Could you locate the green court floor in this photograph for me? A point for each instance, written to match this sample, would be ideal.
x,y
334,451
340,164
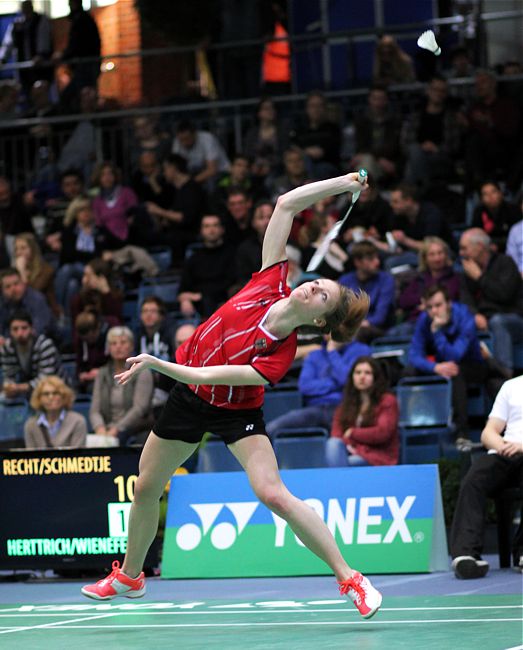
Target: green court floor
x,y
492,622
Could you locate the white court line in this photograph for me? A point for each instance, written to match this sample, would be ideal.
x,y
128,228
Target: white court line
x,y
341,609
51,625
286,624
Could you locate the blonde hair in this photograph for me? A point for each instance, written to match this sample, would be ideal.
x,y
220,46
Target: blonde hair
x,y
76,206
59,385
345,319
427,243
119,330
36,262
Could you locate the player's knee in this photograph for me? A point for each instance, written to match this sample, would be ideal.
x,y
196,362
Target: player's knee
x,y
146,489
275,497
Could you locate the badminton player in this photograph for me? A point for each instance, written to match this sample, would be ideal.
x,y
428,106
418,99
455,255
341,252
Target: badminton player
x,y
220,371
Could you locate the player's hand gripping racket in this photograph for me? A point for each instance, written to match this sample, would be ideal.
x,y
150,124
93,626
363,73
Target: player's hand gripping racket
x,y
335,230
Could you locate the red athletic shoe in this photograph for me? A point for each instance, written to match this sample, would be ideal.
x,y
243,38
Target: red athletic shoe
x,y
362,593
116,584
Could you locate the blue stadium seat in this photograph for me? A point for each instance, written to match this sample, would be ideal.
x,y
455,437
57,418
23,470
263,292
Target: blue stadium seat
x,y
518,356
162,255
129,312
301,452
81,405
301,432
165,288
279,402
13,415
214,456
425,407
391,346
69,370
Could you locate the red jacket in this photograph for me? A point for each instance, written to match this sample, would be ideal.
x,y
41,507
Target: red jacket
x,y
377,444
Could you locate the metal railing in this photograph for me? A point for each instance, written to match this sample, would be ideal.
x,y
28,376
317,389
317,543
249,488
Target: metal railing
x,y
22,152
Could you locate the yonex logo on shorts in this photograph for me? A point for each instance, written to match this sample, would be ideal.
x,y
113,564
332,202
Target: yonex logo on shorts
x,y
249,427
223,534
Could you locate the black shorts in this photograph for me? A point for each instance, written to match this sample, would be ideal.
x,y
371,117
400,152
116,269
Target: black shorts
x,y
187,417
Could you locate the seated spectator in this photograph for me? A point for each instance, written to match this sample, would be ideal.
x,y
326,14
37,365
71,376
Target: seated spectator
x,y
431,137
377,132
71,187
322,217
114,203
237,178
379,285
445,343
149,183
435,267
78,242
208,273
321,383
413,220
15,217
16,295
154,336
205,156
90,346
34,270
265,141
26,357
494,215
391,64
489,474
370,217
249,252
318,137
515,245
147,138
294,175
56,424
492,287
365,423
122,412
177,223
296,274
493,125
98,292
183,332
237,218
460,64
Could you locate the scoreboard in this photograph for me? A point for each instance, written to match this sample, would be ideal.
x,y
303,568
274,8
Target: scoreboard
x,y
66,508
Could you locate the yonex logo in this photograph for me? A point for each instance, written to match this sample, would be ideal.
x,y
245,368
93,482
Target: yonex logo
x,y
249,427
223,534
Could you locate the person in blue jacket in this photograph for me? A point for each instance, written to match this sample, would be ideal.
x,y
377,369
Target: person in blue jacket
x,y
378,284
445,343
322,378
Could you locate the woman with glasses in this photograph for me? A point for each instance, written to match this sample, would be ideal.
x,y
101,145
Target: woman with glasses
x,y
55,424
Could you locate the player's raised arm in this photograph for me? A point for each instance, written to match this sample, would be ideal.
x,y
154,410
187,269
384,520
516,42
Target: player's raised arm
x,y
293,202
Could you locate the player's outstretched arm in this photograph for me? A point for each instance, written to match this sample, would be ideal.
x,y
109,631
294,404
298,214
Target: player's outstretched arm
x,y
210,375
293,202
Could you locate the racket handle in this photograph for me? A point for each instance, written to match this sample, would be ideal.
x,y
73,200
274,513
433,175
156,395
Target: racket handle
x,y
362,175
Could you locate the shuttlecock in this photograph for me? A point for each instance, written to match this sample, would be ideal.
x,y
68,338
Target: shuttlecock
x,y
427,41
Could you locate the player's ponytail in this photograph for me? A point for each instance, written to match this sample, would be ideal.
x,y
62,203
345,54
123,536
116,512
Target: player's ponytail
x,y
351,309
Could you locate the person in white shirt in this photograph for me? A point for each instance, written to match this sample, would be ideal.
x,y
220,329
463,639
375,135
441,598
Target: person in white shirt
x,y
204,154
490,473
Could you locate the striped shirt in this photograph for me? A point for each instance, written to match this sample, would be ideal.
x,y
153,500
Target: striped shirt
x,y
235,335
43,360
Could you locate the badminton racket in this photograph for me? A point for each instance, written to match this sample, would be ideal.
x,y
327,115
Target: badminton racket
x,y
318,256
